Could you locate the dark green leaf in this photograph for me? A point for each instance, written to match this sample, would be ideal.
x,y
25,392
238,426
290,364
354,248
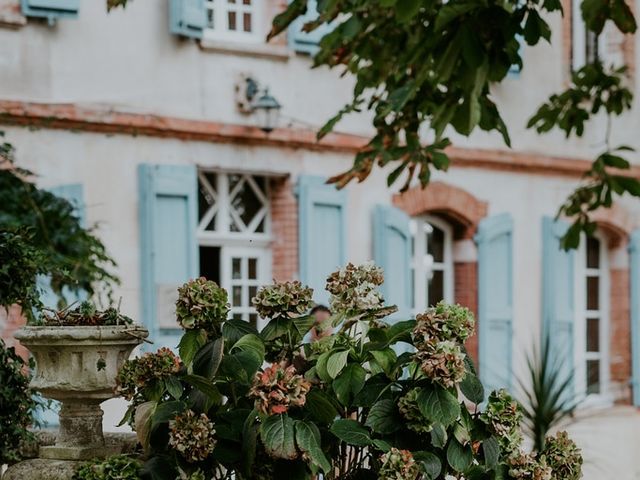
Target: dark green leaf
x,y
336,362
308,440
383,417
351,432
277,434
208,359
190,343
491,450
349,383
472,388
438,405
320,406
459,456
174,387
431,464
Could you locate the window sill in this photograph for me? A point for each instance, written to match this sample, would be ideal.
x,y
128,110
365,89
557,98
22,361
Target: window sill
x,y
258,50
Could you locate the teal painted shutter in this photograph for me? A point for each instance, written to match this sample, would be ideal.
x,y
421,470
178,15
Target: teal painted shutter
x,y
322,232
75,195
307,42
392,252
50,9
495,300
187,18
634,267
169,253
558,295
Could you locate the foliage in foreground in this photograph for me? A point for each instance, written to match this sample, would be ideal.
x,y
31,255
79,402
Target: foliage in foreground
x,y
428,68
17,404
119,467
549,396
375,400
40,234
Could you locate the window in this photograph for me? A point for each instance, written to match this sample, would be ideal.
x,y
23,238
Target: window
x,y
234,235
585,44
234,20
592,326
432,264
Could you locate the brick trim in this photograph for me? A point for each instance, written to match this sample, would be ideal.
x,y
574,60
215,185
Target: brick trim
x,y
459,206
284,219
465,276
616,222
619,334
76,118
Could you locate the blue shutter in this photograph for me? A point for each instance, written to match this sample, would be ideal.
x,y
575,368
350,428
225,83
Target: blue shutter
x,y
322,232
558,295
634,267
495,300
50,9
392,252
307,42
74,194
169,253
187,18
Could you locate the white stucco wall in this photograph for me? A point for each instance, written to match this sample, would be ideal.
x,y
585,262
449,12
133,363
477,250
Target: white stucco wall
x,y
128,61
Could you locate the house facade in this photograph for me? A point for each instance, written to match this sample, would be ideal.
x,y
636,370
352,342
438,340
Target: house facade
x,y
139,116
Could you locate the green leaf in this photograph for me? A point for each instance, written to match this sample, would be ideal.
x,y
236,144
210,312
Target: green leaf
x,y
351,432
249,443
190,343
535,27
143,415
381,445
308,440
320,406
471,387
336,362
250,343
349,383
275,329
439,436
383,418
277,434
234,330
385,358
451,11
208,359
431,464
166,411
321,366
303,324
438,405
159,468
491,450
174,387
407,9
203,385
459,456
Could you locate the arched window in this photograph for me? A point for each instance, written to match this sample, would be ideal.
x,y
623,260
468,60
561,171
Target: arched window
x,y
432,262
592,322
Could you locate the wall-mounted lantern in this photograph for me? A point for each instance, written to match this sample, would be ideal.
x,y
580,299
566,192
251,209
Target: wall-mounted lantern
x,y
258,101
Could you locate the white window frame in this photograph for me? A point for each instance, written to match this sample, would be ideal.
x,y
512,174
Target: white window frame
x,y
423,265
220,30
604,398
237,244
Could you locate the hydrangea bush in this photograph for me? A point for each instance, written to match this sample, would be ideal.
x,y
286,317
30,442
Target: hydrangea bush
x,y
388,400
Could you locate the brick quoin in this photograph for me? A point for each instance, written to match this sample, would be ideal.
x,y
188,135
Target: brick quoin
x,y
464,212
620,335
11,320
284,218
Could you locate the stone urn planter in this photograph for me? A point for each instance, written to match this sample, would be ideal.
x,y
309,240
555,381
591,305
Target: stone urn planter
x,y
77,365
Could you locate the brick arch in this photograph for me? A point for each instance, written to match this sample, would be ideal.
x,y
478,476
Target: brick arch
x,y
455,204
616,222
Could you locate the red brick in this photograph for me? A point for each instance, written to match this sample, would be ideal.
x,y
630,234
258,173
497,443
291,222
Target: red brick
x,y
284,221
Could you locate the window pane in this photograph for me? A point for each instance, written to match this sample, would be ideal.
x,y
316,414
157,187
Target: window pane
x,y
435,244
253,291
593,334
210,18
246,2
210,263
246,22
237,316
232,20
593,290
253,319
205,201
593,376
593,253
237,296
436,287
236,270
253,268
246,203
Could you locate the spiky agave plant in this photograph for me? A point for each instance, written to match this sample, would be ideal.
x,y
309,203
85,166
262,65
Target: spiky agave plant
x,y
548,396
